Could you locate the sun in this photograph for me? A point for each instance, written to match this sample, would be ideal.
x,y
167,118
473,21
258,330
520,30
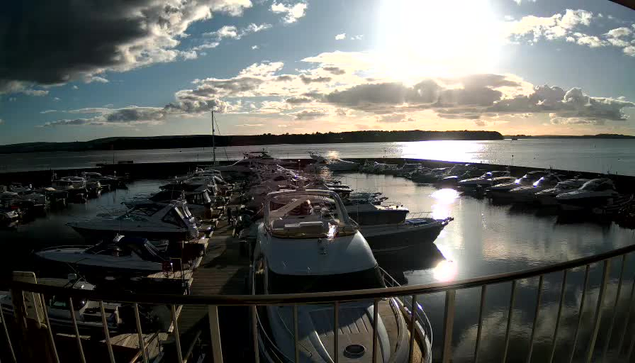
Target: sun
x,y
422,38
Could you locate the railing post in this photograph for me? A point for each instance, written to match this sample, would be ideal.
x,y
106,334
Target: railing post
x,y
560,304
79,339
254,332
104,322
214,332
296,337
49,328
142,343
510,314
448,325
413,323
627,318
479,329
536,314
177,335
336,331
375,327
6,333
577,328
598,310
617,300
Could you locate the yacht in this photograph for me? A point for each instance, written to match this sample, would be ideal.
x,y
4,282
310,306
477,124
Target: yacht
x,y
9,216
595,193
110,182
484,180
333,164
153,220
527,193
307,243
198,201
548,196
87,312
387,230
75,186
501,191
122,256
251,161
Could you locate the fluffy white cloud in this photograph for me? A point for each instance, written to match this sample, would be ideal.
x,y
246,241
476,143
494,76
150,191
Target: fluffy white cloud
x,y
291,12
36,93
518,2
231,32
341,36
619,32
333,85
552,27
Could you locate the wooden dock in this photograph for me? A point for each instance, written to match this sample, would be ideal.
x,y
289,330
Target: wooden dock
x,y
222,271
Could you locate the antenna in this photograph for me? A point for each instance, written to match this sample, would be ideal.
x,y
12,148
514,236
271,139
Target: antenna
x,y
213,140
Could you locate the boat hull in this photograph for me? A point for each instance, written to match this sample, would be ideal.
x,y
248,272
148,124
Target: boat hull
x,y
91,234
393,239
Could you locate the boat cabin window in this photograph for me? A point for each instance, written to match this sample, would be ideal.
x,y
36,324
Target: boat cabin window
x,y
174,218
359,280
598,185
198,198
62,303
147,252
145,210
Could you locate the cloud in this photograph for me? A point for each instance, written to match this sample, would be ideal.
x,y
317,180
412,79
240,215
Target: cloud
x,y
340,36
97,79
393,118
231,32
250,125
309,114
56,99
567,26
48,111
75,87
357,37
254,47
334,70
36,93
291,12
52,43
1,121
518,2
298,100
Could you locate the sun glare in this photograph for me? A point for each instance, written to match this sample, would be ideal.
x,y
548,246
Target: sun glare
x,y
421,38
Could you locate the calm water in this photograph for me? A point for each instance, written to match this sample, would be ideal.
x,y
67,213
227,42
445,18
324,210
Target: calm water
x,y
483,239
615,156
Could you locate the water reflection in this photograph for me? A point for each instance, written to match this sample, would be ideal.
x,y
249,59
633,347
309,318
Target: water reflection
x,y
444,199
445,271
464,151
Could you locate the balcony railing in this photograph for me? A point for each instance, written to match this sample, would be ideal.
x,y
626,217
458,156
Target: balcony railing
x,y
407,294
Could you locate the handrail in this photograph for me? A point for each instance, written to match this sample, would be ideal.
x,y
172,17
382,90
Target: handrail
x,y
318,297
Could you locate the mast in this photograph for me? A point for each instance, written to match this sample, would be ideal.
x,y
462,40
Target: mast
x,y
213,140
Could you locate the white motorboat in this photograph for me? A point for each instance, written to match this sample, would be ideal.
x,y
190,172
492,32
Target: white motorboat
x,y
595,193
332,163
75,186
484,180
501,191
548,196
387,230
156,221
122,256
307,243
87,312
527,193
251,161
198,201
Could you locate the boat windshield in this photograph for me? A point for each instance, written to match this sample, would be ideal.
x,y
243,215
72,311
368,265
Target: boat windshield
x,y
359,280
303,215
597,185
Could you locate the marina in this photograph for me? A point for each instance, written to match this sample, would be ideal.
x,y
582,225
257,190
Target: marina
x,y
474,233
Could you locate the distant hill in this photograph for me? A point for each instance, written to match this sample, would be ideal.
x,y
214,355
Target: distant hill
x,y
598,136
182,142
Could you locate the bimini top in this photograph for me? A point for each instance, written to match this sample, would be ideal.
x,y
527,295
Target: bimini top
x,y
307,213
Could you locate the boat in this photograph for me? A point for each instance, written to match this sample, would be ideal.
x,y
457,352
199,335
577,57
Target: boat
x,y
9,216
87,312
122,256
527,193
596,193
75,186
483,181
333,164
251,161
387,230
500,192
198,201
111,182
156,221
548,196
307,243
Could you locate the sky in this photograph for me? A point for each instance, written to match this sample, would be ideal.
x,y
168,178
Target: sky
x,y
76,71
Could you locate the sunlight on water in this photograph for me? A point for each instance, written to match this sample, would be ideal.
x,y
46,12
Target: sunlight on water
x,y
445,270
465,151
444,198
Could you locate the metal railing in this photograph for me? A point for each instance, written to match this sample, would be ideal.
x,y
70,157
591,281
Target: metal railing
x,y
414,294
